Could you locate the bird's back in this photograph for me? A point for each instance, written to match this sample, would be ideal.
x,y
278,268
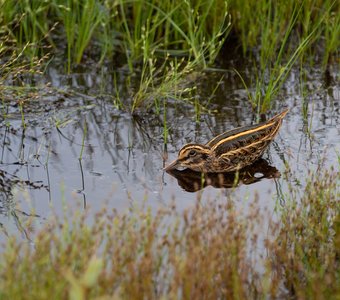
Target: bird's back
x,y
243,145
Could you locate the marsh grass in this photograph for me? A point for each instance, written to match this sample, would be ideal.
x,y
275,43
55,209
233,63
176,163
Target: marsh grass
x,y
192,29
15,69
154,30
198,29
284,35
268,31
170,79
306,252
161,41
26,23
209,251
80,20
135,27
331,34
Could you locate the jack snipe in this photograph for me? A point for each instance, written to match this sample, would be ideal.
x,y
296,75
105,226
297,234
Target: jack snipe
x,y
231,150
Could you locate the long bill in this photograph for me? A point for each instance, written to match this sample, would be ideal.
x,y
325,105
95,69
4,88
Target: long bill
x,y
172,165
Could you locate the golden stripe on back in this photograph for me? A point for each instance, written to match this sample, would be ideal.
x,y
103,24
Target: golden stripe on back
x,y
241,147
242,134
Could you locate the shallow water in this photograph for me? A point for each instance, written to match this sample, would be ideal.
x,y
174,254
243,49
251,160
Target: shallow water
x,y
123,155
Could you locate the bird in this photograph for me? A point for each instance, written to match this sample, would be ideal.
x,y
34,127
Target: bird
x,y
231,150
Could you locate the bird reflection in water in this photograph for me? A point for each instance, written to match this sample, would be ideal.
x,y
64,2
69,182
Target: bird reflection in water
x,y
192,181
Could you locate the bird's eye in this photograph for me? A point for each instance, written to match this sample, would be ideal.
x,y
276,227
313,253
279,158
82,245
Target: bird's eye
x,y
192,153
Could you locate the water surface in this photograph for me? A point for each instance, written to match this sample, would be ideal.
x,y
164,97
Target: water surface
x,y
77,149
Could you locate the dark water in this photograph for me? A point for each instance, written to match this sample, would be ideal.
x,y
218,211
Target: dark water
x,y
123,155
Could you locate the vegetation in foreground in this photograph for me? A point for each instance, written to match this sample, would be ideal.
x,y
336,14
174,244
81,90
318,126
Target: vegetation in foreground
x,y
213,250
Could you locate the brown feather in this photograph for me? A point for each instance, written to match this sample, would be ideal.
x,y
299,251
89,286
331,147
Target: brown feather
x,y
231,150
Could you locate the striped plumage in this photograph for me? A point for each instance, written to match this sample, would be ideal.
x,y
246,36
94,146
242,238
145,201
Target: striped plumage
x,y
231,150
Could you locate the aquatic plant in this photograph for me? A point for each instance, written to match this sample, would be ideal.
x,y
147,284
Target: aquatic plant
x,y
15,69
286,33
135,28
27,23
266,33
191,28
141,31
80,20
